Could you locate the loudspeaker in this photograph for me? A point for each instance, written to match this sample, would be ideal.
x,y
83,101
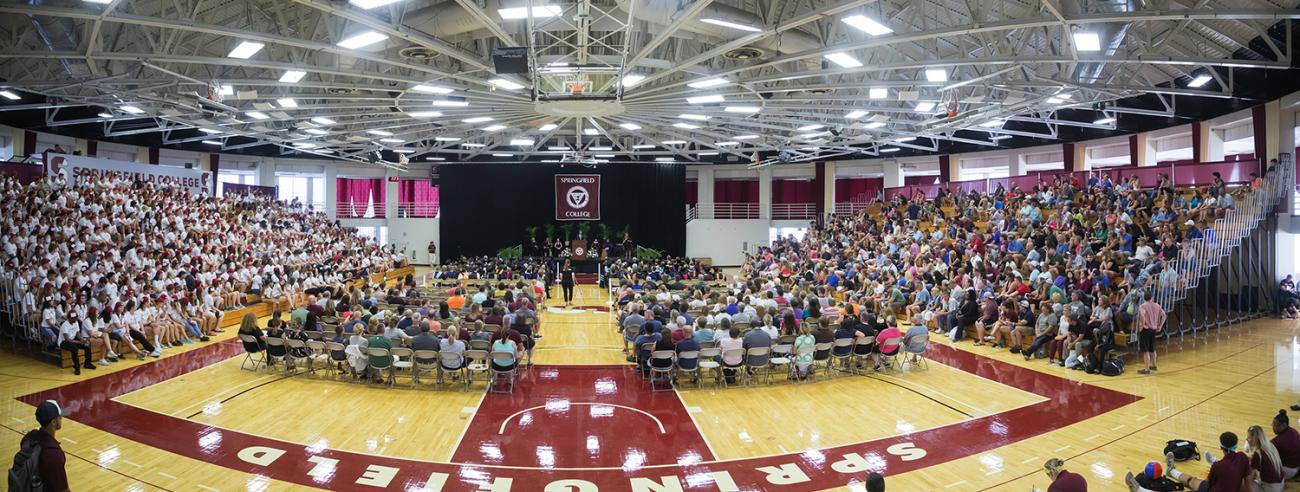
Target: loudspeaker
x,y
510,60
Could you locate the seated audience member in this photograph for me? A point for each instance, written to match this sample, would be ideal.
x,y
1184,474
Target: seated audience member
x,y
1264,460
1063,480
1287,442
1231,473
378,340
875,482
504,343
248,326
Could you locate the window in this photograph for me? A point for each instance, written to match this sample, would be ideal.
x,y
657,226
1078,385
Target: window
x,y
293,187
318,193
379,233
235,178
775,233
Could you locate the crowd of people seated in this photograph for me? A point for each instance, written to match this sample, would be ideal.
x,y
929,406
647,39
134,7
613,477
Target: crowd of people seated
x,y
493,267
1055,272
672,270
452,318
138,268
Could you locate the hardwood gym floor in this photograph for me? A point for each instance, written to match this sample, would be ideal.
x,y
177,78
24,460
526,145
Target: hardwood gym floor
x,y
975,419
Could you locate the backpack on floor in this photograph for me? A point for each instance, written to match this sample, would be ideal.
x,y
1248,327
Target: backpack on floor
x,y
1183,450
25,476
1112,367
1162,484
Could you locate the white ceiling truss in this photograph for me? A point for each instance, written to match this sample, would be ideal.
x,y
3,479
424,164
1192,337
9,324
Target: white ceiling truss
x,y
793,72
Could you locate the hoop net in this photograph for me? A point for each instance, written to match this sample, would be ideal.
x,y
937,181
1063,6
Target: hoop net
x,y
214,90
577,87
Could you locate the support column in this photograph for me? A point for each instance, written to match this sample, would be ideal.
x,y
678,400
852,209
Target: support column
x,y
266,172
764,192
893,173
81,145
1076,156
1017,165
1143,148
390,194
155,155
1213,145
19,137
704,193
949,168
1272,133
828,190
331,191
1200,137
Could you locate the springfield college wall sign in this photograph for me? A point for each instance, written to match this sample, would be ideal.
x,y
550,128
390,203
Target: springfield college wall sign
x,y
577,197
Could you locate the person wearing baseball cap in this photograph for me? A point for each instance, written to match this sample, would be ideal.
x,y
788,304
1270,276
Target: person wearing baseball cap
x,y
52,459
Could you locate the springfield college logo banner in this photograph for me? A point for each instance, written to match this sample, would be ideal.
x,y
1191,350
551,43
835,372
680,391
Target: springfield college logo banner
x,y
577,197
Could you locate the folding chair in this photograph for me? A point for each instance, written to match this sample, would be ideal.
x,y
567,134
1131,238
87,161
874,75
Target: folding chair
x,y
402,361
318,354
689,363
709,360
781,358
451,363
822,355
915,349
291,360
384,364
497,373
661,364
860,358
735,354
757,359
424,360
337,356
252,352
888,360
476,363
800,352
841,352
271,358
483,345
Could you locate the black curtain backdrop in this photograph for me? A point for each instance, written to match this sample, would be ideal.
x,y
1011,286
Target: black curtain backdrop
x,y
485,207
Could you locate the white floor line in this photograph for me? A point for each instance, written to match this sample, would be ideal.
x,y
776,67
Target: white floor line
x,y
167,475
1063,448
1029,460
132,463
954,484
205,487
698,429
468,423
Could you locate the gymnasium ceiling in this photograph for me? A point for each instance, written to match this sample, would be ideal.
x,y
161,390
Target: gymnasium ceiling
x,y
792,80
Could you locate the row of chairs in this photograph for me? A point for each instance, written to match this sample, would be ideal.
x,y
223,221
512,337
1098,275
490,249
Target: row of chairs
x,y
844,355
388,362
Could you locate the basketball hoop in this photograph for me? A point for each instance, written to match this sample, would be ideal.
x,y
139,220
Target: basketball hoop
x,y
952,106
214,90
577,87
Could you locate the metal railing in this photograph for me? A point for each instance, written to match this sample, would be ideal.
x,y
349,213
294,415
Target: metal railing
x,y
359,211
426,210
1198,258
723,211
793,211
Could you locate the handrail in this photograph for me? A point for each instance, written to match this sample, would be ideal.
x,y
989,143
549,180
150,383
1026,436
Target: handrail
x,y
788,211
723,211
425,210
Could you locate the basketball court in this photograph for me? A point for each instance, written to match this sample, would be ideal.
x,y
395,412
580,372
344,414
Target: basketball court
x,y
969,419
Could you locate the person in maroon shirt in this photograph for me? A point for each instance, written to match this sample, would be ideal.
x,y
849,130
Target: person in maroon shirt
x,y
1228,474
1063,480
1287,442
1264,460
52,461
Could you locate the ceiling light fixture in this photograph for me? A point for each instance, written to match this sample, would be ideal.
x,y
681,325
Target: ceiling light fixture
x,y
494,128
257,115
210,131
706,99
878,93
506,84
1087,41
227,90
745,137
674,142
370,4
733,25
707,83
853,115
664,159
695,117
557,147
1104,121
287,103
808,128
105,115
599,148
245,50
477,119
539,12
473,145
630,80
925,107
993,123
643,146
447,139
424,114
630,126
904,139
391,140
522,142
292,76
131,109
212,142
844,60
726,144
999,137
743,109
590,131
432,89
867,25
1200,80
380,133
548,127
362,40
686,126
451,103
707,154
316,131
323,120
891,149
936,75
874,125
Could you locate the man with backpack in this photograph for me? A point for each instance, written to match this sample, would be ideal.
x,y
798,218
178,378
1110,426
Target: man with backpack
x,y
39,464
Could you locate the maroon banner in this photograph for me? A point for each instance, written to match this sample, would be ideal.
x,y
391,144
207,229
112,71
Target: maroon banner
x,y
246,189
577,197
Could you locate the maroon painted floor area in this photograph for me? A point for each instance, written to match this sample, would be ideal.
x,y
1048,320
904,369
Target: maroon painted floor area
x,y
513,457
582,417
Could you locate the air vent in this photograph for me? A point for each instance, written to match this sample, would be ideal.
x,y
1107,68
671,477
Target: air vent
x,y
417,53
743,53
340,90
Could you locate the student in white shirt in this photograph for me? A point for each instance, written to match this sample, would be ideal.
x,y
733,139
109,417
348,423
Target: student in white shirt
x,y
70,339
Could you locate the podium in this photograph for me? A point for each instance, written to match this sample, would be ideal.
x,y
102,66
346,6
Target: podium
x,y
578,249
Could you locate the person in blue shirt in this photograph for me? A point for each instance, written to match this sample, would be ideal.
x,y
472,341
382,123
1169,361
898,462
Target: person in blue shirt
x,y
1193,232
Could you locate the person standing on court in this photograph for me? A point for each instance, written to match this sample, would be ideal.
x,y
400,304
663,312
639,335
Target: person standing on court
x,y
1151,321
566,283
40,459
